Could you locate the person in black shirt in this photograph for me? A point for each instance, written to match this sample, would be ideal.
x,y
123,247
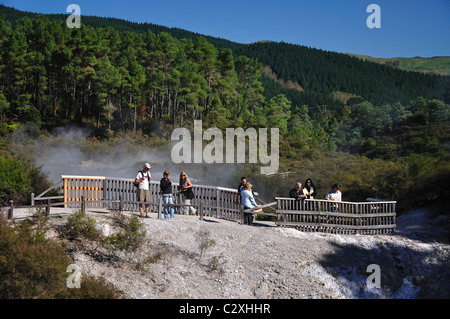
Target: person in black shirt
x,y
240,187
185,188
297,192
166,192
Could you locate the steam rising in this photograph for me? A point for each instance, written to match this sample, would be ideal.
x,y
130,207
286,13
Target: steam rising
x,y
68,152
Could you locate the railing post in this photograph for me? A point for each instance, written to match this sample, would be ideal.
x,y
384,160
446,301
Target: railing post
x,y
201,210
393,218
180,200
83,204
120,204
160,207
105,204
242,215
47,211
65,191
278,208
32,199
11,210
218,203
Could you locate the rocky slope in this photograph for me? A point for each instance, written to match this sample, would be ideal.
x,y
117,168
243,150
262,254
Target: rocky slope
x,y
263,261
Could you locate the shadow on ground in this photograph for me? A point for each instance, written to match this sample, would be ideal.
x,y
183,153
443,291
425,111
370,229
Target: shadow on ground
x,y
405,273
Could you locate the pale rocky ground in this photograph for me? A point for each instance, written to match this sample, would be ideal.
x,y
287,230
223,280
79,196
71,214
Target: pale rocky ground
x,y
264,261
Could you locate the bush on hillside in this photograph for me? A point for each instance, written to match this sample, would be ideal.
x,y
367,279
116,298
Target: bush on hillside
x,y
131,236
18,179
32,268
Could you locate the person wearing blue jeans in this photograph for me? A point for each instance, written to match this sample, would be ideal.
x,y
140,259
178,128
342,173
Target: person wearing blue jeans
x,y
166,191
168,200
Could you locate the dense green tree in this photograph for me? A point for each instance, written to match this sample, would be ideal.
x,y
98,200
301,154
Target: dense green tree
x,y
4,105
277,113
250,88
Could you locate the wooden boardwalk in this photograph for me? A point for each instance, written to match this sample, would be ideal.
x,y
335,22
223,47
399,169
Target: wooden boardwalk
x,y
370,217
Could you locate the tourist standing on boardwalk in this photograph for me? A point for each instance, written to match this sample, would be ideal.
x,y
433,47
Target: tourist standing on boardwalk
x,y
166,192
143,179
185,189
310,189
334,194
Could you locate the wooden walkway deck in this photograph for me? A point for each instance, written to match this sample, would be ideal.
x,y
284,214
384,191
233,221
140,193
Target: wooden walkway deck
x,y
369,217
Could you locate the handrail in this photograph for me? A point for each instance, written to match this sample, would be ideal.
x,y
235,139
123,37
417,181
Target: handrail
x,y
218,201
132,180
374,216
370,217
343,202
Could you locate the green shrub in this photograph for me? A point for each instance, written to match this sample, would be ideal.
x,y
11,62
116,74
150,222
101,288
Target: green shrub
x,y
266,218
37,269
19,178
30,269
14,180
131,236
203,238
81,226
35,228
216,263
95,288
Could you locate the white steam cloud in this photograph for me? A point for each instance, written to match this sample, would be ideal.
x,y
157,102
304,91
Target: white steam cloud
x,y
68,151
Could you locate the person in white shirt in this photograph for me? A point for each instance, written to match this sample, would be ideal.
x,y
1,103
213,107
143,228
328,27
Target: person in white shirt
x,y
334,194
143,178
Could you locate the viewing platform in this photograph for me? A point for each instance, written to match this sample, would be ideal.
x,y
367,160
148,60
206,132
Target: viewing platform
x,y
309,215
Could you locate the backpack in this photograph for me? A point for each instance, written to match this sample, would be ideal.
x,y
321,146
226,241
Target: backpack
x,y
136,184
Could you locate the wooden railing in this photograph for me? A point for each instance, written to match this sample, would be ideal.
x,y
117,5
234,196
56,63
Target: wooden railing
x,y
105,192
374,217
370,217
88,187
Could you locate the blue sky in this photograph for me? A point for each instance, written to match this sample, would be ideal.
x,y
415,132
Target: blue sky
x,y
408,28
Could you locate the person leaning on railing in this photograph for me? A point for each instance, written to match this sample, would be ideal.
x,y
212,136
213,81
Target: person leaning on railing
x,y
239,189
334,195
248,201
309,189
297,192
185,188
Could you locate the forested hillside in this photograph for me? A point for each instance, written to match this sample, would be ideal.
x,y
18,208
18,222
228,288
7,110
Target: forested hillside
x,y
51,74
436,65
379,131
324,72
319,72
